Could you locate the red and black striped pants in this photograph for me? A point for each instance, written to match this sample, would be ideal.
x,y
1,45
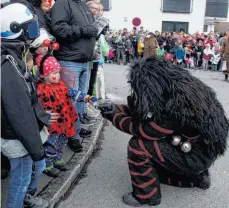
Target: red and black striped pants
x,y
155,162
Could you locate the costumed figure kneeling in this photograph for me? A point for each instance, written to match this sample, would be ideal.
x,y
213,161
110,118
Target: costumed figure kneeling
x,y
179,129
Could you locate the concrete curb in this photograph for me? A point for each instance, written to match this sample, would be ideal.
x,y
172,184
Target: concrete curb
x,y
59,186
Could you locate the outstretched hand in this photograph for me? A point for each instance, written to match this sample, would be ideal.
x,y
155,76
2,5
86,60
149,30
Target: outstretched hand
x,y
107,109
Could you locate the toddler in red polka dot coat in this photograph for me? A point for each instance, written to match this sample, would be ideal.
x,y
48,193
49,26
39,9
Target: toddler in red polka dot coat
x,y
55,98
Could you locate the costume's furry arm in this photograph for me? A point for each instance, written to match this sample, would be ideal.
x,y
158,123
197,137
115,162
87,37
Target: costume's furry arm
x,y
147,129
124,108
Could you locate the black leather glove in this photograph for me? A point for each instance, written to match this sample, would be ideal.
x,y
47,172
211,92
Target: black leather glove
x,y
104,32
90,31
108,110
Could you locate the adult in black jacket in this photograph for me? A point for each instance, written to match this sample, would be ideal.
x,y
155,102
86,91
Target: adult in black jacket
x,y
22,116
72,25
35,7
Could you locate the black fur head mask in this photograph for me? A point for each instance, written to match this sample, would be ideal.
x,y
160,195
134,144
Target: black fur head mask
x,y
172,93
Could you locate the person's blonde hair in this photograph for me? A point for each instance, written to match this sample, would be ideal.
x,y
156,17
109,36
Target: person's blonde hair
x,y
101,7
93,2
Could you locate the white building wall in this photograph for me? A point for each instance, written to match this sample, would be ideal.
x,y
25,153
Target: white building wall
x,y
228,15
150,13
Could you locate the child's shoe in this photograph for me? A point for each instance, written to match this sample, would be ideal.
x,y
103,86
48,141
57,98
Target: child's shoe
x,y
61,165
51,171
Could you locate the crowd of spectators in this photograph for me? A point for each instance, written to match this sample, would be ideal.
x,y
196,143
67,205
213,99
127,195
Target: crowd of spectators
x,y
199,50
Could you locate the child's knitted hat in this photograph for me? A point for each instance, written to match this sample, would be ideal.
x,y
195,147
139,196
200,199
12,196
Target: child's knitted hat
x,y
48,65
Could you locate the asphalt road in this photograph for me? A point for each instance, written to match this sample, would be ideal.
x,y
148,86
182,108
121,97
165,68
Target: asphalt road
x,y
108,177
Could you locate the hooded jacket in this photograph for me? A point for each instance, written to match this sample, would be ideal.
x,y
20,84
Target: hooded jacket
x,y
35,7
69,18
22,116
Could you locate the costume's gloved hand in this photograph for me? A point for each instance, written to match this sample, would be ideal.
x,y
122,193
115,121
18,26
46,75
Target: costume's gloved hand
x,y
90,31
108,110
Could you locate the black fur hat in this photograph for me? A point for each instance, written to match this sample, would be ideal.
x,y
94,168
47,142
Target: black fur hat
x,y
172,93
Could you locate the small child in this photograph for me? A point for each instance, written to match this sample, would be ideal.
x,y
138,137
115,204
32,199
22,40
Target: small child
x,y
180,53
55,97
38,47
215,59
207,54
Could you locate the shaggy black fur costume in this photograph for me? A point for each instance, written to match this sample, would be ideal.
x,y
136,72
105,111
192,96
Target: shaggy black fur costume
x,y
167,101
172,93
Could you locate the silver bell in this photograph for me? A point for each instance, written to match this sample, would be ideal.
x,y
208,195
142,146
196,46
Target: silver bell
x,y
176,140
186,147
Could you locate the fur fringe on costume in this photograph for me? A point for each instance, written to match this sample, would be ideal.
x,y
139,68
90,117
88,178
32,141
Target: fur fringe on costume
x,y
172,93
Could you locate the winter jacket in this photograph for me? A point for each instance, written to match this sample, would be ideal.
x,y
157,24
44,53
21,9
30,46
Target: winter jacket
x,y
170,43
22,116
180,53
225,49
134,39
70,19
161,40
35,7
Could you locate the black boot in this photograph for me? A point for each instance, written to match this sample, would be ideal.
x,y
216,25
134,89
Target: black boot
x,y
226,77
203,181
85,133
74,145
131,201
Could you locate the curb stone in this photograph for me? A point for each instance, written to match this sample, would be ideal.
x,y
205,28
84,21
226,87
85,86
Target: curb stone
x,y
59,186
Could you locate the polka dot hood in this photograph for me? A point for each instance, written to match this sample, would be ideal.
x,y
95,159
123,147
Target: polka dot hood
x,y
49,65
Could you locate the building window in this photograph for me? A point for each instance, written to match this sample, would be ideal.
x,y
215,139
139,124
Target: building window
x,y
107,5
205,28
217,8
169,26
177,6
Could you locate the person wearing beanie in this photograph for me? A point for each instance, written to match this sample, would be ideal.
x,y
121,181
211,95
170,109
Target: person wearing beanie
x,y
55,97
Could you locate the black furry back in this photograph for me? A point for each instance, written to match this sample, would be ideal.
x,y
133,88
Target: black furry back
x,y
173,93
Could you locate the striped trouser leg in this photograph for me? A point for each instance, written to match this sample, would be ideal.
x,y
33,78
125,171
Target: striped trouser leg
x,y
144,177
